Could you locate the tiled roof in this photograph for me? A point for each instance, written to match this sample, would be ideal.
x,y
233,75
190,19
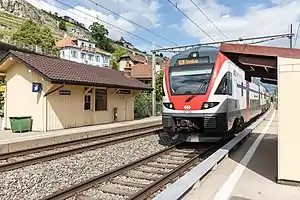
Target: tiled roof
x,y
67,42
141,71
63,71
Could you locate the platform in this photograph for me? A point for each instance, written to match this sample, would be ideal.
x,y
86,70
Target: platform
x,y
249,173
19,141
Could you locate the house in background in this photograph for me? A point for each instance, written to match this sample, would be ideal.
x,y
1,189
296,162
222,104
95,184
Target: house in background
x,y
127,61
143,72
83,51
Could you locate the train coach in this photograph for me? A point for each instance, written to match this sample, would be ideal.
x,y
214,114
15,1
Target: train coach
x,y
206,96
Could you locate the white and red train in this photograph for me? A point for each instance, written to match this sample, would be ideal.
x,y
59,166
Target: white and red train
x,y
206,96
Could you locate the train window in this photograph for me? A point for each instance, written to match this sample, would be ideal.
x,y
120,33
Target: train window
x,y
225,86
242,89
229,74
222,87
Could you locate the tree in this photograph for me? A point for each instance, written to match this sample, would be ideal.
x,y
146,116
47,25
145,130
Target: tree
x,y
47,40
143,101
62,26
159,86
99,36
33,34
161,55
119,51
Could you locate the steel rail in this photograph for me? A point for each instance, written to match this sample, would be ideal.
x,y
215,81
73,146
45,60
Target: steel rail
x,y
160,183
56,155
68,192
70,143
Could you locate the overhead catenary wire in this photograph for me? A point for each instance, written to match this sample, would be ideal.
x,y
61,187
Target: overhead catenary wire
x,y
132,34
208,18
184,47
191,20
152,32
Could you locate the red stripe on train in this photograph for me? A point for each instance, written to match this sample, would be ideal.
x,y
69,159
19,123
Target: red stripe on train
x,y
197,101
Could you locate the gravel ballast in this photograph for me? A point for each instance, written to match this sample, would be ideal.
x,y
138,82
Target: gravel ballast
x,y
39,180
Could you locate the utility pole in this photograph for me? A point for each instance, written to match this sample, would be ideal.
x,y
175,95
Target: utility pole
x,y
291,36
153,82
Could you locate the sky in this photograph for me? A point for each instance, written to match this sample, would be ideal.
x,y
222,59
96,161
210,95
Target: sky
x,y
235,18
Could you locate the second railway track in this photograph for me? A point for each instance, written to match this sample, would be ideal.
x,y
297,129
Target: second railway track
x,y
139,179
23,158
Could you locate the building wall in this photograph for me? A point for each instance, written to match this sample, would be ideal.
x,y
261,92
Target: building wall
x,y
56,111
288,111
125,63
19,98
85,43
67,111
102,62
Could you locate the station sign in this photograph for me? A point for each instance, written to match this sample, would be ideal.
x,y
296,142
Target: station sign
x,y
64,92
124,92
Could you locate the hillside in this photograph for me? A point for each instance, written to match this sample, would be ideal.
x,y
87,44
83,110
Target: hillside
x,y
14,12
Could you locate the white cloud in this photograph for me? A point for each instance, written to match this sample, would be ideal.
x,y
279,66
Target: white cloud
x,y
258,20
141,12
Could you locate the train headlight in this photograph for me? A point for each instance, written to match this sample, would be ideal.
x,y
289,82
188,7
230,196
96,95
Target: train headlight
x,y
169,105
207,105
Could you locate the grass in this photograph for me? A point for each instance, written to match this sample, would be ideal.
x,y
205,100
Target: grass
x,y
70,24
10,24
6,32
11,16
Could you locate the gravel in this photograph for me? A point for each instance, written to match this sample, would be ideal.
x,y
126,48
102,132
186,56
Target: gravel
x,y
39,180
42,153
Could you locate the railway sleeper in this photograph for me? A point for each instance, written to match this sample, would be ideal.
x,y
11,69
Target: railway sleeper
x,y
145,177
129,183
152,171
158,165
116,191
169,162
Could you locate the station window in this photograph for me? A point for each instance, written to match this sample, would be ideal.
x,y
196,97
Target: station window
x,y
87,102
100,99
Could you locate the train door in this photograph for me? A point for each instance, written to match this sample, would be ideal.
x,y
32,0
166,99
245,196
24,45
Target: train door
x,y
230,96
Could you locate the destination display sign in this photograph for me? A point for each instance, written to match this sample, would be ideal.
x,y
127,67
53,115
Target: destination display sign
x,y
190,61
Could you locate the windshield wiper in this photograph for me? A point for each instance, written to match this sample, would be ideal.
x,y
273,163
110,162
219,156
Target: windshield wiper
x,y
198,91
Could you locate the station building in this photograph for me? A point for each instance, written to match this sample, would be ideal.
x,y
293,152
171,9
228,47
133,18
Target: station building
x,y
61,94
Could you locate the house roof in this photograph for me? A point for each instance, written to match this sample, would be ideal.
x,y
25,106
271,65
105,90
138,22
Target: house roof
x,y
61,71
141,71
67,42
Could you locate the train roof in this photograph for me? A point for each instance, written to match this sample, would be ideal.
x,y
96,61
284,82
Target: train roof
x,y
210,51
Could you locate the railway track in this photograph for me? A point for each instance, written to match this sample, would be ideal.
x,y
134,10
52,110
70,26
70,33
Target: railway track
x,y
23,158
142,178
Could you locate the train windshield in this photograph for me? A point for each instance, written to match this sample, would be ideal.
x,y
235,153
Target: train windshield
x,y
190,80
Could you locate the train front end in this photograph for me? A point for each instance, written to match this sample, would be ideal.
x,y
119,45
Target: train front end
x,y
191,111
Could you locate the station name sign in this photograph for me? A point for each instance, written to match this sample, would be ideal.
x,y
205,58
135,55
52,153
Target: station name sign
x,y
64,92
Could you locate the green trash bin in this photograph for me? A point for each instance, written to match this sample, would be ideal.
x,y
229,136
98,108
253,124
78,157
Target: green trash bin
x,y
20,124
